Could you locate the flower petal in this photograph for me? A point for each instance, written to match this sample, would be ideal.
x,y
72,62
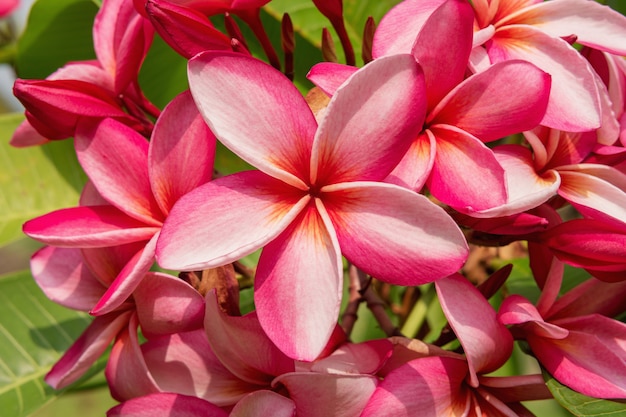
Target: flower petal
x,y
329,76
370,122
242,346
262,118
87,227
226,219
414,168
321,395
574,104
264,403
394,234
507,98
86,349
115,157
487,343
466,174
298,285
64,278
181,152
166,404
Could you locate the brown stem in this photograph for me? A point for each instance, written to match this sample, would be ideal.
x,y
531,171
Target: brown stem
x,y
349,316
377,306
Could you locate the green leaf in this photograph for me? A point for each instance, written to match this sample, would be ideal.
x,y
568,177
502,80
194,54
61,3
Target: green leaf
x,y
581,405
34,333
57,31
35,180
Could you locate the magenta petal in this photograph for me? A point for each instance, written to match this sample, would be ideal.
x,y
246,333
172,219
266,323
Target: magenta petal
x,y
181,152
298,285
26,135
414,168
264,403
574,104
322,395
232,217
370,122
86,349
329,76
184,363
87,227
126,371
459,153
63,277
167,304
166,404
242,346
431,386
127,280
487,343
394,234
115,157
398,29
272,129
449,28
507,98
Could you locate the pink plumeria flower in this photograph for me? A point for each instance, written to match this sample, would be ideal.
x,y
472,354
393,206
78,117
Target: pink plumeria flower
x,y
77,279
586,352
315,196
462,114
533,30
450,384
97,89
138,182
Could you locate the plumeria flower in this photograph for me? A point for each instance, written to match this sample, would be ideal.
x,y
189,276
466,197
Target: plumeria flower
x,y
138,182
315,195
97,89
534,31
462,114
77,279
444,385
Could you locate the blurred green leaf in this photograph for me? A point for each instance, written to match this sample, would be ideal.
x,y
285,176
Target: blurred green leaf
x,y
34,332
581,405
35,180
57,31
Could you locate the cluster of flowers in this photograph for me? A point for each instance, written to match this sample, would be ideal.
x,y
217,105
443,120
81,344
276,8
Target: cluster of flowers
x,y
344,172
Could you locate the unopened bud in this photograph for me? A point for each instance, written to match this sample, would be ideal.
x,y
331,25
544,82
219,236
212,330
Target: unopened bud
x,y
328,47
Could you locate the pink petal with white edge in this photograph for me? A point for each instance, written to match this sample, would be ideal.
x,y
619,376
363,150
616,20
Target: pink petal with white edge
x,y
181,152
298,285
264,119
330,75
227,219
370,122
322,395
394,234
355,358
166,404
87,227
487,343
86,349
449,28
526,189
515,309
593,24
507,98
127,280
466,174
588,191
431,386
184,363
167,304
126,371
264,403
115,157
414,168
590,360
242,346
574,104
398,29
63,277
